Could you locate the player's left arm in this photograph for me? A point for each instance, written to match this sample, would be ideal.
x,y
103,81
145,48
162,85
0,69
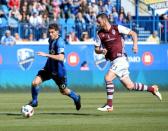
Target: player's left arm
x,y
135,41
127,31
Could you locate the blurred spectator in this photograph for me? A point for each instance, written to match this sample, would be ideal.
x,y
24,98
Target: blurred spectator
x,y
33,7
44,4
24,22
45,21
111,18
13,20
17,37
31,37
35,20
36,24
108,7
121,20
12,3
56,8
154,38
80,24
44,37
90,16
85,37
84,66
8,39
54,18
100,5
72,37
128,18
83,6
15,12
66,7
4,8
3,23
115,14
122,11
95,7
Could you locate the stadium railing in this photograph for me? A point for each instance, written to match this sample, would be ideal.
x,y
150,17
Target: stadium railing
x,y
144,28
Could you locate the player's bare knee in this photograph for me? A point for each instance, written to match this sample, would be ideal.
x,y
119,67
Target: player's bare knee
x,y
107,78
62,92
35,83
63,89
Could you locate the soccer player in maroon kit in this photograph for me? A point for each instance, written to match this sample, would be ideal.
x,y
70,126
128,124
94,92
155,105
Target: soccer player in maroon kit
x,y
110,43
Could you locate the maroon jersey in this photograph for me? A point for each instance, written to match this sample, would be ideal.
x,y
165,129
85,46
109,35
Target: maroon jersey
x,y
112,41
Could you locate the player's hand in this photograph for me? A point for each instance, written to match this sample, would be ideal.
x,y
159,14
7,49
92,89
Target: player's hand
x,y
42,54
104,51
135,49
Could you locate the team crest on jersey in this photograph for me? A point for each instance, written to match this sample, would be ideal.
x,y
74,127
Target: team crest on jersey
x,y
100,61
113,32
25,58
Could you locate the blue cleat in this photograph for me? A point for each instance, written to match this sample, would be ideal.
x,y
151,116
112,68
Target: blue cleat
x,y
33,103
78,103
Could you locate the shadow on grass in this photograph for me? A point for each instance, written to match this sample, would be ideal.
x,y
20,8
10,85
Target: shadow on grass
x,y
76,114
50,113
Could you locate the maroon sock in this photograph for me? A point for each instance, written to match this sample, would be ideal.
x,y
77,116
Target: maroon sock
x,y
110,91
150,89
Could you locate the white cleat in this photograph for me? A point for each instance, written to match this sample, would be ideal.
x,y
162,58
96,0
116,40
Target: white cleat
x,y
105,108
156,92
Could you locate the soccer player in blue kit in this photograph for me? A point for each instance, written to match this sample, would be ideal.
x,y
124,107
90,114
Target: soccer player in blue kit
x,y
54,68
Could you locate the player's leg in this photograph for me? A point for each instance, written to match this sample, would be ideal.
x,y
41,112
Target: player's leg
x,y
61,82
140,87
35,90
110,76
41,76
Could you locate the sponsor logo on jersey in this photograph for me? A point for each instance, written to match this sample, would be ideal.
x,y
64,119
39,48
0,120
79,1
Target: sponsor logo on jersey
x,y
25,58
100,61
73,59
113,32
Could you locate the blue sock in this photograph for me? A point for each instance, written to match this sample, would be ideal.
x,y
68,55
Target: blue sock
x,y
73,95
35,91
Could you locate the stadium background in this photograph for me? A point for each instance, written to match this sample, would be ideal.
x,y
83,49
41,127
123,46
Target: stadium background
x,y
150,65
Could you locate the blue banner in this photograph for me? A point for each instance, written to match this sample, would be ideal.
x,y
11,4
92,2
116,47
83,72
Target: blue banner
x,y
19,65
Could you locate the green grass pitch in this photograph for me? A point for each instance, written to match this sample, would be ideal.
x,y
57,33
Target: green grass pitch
x,y
133,111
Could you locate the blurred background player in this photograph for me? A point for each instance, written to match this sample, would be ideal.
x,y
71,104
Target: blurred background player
x,y
54,68
109,37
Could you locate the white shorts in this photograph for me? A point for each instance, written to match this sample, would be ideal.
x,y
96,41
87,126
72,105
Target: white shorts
x,y
120,67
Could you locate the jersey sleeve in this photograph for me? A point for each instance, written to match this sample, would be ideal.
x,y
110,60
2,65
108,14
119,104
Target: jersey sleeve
x,y
123,30
61,46
97,41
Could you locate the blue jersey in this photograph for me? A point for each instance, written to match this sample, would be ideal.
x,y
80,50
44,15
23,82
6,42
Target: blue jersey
x,y
56,67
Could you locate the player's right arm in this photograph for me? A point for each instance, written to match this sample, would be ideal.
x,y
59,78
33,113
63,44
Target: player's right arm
x,y
98,48
59,57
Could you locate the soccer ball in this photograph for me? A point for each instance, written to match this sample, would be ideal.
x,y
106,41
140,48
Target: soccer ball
x,y
27,111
